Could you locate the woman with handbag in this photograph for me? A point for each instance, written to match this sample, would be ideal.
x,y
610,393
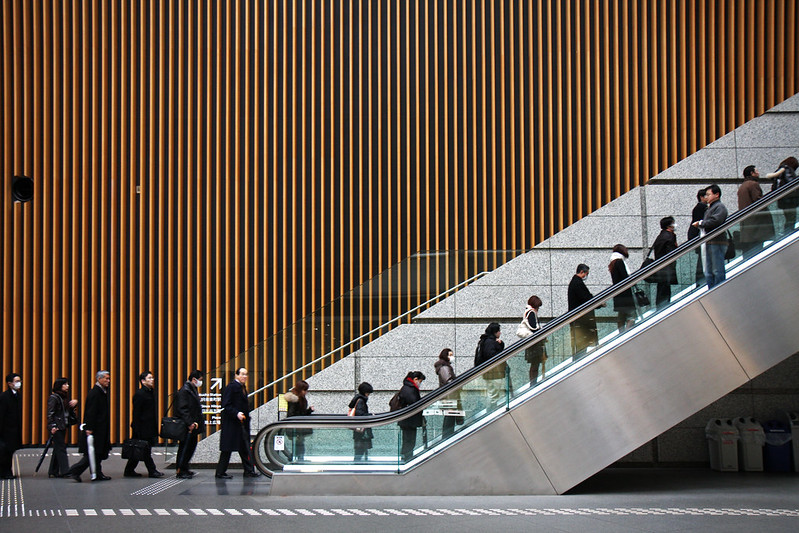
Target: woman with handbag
x,y
536,355
623,302
60,415
361,437
446,374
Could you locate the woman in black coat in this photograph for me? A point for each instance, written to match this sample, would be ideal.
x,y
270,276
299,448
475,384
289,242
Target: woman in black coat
x,y
623,302
362,437
60,414
409,395
489,346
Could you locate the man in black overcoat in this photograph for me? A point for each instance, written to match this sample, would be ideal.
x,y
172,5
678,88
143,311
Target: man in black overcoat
x,y
235,434
583,330
144,424
96,424
10,424
189,408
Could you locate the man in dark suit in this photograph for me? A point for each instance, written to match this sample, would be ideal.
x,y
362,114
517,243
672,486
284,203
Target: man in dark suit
x,y
144,424
235,427
189,408
95,439
10,424
583,330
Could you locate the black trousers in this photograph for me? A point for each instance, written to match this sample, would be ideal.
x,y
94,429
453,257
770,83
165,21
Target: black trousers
x,y
59,464
408,443
81,466
244,453
186,451
663,293
148,460
6,460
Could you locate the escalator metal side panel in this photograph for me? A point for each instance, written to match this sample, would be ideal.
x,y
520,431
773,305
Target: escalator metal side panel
x,y
493,462
625,398
661,376
760,318
669,370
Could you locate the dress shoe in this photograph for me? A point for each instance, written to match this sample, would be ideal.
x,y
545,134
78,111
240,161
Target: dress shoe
x,y
191,472
223,476
101,477
74,477
184,475
132,474
156,473
252,474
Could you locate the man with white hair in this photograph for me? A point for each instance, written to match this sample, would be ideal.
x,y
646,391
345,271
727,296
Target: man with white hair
x,y
95,438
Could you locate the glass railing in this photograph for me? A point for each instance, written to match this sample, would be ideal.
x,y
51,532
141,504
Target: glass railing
x,y
340,328
477,396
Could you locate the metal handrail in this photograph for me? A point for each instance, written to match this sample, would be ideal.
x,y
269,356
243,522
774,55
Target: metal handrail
x,y
395,319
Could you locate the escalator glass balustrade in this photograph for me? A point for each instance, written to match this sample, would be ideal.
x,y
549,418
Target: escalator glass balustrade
x,y
478,396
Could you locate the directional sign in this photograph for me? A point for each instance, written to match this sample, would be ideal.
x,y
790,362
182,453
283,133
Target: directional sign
x,y
216,383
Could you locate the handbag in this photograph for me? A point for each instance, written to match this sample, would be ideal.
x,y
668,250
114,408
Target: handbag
x,y
641,298
136,449
173,427
524,331
730,253
72,418
654,278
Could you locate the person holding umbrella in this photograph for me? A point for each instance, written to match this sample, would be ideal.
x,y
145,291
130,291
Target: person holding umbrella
x,y
95,439
235,427
61,414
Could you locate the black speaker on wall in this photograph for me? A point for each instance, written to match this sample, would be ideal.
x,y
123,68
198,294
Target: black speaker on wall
x,y
22,189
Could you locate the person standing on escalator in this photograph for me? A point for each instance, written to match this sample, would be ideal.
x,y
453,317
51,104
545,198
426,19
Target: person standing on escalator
x,y
665,243
715,217
409,394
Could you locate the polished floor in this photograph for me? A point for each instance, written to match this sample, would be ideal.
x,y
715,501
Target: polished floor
x,y
613,500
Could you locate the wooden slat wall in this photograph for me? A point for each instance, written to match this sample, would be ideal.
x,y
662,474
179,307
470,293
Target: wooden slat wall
x,y
207,172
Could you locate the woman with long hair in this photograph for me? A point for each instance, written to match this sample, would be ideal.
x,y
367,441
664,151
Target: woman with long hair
x,y
60,415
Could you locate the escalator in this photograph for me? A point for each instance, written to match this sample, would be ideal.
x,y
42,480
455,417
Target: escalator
x,y
587,408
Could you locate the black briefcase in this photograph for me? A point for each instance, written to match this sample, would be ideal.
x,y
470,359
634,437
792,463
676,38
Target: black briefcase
x,y
136,449
173,428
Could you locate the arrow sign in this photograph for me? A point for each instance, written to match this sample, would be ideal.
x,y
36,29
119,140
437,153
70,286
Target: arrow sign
x,y
216,383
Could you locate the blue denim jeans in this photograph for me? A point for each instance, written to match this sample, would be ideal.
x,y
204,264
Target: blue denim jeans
x,y
714,269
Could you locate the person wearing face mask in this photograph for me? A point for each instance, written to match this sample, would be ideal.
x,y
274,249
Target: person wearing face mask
x,y
536,355
10,424
95,438
446,374
189,408
665,243
583,330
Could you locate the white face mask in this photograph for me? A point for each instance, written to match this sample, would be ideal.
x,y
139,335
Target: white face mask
x,y
17,385
452,359
199,383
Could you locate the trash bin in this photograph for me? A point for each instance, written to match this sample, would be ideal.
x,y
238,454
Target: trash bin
x,y
777,453
750,447
722,440
793,423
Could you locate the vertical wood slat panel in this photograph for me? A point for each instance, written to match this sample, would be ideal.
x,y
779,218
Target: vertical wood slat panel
x,y
288,150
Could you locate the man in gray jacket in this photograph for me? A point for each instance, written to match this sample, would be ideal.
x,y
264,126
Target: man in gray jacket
x,y
715,216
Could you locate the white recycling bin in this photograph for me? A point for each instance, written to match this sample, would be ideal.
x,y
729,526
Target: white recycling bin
x,y
750,445
722,440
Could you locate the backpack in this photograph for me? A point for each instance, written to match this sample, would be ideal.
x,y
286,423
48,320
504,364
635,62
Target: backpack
x,y
478,353
395,403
